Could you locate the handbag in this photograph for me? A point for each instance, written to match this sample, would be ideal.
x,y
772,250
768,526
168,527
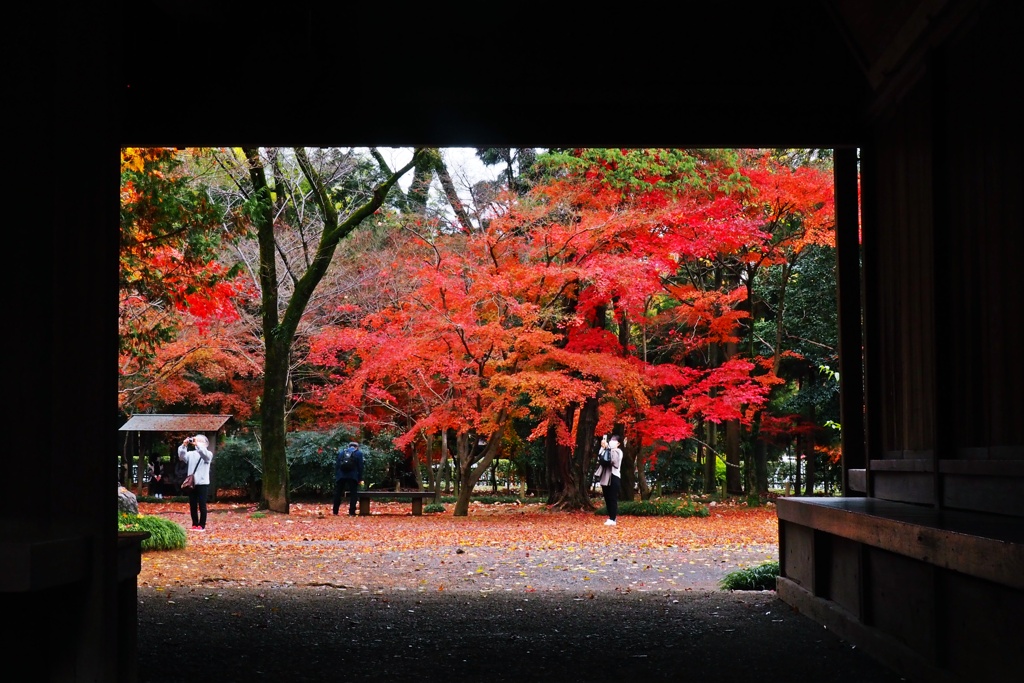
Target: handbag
x,y
190,481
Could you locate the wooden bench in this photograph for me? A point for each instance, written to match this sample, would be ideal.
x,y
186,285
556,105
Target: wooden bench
x,y
417,498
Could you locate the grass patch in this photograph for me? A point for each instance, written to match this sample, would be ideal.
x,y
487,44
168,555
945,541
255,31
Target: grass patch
x,y
659,507
163,533
760,578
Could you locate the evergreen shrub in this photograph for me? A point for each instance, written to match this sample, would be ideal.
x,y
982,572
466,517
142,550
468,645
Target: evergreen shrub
x,y
760,578
163,533
659,507
239,465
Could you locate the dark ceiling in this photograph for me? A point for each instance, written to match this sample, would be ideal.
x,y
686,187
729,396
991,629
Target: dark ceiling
x,y
797,73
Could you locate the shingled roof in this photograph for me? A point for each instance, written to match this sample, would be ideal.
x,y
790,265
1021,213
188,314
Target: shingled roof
x,y
174,423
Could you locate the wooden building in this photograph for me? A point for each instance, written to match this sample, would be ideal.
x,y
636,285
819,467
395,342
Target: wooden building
x,y
919,562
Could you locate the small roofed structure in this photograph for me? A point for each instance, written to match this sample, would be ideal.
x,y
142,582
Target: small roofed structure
x,y
176,423
146,434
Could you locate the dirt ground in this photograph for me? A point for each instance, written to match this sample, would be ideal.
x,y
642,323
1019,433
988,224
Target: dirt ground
x,y
501,596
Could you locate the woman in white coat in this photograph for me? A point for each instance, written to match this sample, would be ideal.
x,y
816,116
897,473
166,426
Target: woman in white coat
x,y
195,452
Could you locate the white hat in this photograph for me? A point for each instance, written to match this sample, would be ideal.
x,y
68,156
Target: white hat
x,y
202,440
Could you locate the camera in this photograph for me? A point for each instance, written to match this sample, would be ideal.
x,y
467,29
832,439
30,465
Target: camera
x,y
190,441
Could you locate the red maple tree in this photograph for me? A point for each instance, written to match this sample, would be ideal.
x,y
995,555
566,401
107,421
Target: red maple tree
x,y
532,318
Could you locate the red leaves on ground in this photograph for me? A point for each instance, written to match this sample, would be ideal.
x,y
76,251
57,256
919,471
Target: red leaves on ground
x,y
498,547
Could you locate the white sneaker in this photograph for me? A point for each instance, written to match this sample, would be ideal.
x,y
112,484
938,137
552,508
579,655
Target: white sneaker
x,y
610,522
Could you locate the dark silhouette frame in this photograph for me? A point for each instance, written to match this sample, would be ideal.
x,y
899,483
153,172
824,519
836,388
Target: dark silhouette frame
x,y
925,97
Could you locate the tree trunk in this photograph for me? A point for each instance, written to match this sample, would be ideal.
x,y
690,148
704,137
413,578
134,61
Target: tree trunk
x,y
629,452
275,491
641,480
733,466
798,477
122,463
711,459
711,463
628,477
530,478
428,464
456,477
419,189
452,194
469,475
444,460
556,458
811,460
575,494
757,468
733,471
138,465
761,467
417,469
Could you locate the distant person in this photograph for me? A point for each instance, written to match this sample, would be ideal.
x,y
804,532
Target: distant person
x,y
195,452
610,477
156,484
348,476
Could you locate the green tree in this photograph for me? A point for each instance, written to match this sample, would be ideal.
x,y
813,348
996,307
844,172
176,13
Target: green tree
x,y
806,327
338,212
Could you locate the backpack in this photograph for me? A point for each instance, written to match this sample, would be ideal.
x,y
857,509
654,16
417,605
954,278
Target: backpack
x,y
346,459
604,457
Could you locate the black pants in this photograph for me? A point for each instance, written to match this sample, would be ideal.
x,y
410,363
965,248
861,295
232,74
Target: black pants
x,y
197,504
342,485
611,497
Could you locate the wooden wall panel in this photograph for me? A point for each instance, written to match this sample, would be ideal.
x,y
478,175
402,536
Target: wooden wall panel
x,y
1000,494
981,192
844,574
979,619
796,545
900,599
903,302
904,487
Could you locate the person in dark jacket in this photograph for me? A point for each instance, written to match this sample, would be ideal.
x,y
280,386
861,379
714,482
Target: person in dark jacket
x,y
348,476
156,471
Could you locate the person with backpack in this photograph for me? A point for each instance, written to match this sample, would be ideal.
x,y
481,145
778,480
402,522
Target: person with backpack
x,y
609,475
348,476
